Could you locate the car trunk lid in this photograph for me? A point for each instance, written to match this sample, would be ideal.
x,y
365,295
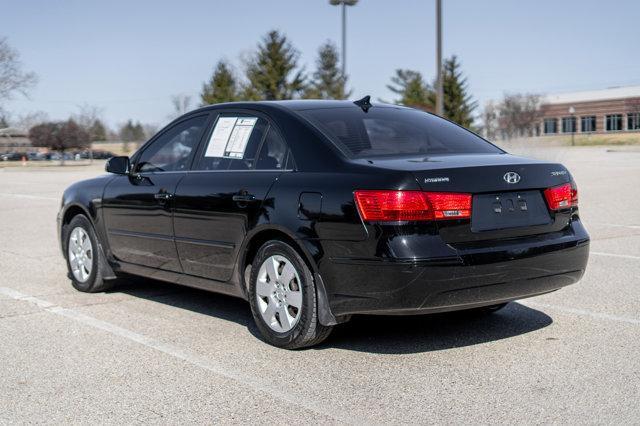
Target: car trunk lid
x,y
508,199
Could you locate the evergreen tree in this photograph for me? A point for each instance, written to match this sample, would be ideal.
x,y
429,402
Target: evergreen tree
x,y
413,90
4,123
222,87
138,132
458,103
328,81
97,131
126,132
273,72
130,132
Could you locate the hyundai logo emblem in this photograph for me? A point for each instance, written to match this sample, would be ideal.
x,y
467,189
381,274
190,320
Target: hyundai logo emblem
x,y
511,177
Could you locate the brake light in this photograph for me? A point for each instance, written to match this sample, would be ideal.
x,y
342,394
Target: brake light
x,y
574,194
561,197
449,205
392,206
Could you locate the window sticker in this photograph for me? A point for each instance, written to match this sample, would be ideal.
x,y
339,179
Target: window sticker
x,y
230,137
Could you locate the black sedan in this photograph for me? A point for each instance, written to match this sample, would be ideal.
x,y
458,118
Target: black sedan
x,y
315,211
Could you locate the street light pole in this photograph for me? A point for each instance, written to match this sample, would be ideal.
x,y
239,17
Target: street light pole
x,y
439,82
344,39
574,124
344,4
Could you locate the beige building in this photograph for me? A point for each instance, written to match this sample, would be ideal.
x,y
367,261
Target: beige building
x,y
597,111
13,140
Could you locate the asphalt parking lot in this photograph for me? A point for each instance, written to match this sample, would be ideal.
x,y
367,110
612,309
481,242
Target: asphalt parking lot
x,y
157,353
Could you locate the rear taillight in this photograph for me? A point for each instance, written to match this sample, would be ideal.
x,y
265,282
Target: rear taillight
x,y
561,197
392,206
574,194
449,205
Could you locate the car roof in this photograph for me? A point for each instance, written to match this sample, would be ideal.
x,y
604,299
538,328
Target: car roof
x,y
294,105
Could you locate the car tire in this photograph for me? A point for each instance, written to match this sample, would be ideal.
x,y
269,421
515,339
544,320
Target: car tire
x,y
293,299
83,256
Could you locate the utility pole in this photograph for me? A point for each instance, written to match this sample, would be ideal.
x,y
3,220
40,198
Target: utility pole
x,y
439,82
574,124
344,4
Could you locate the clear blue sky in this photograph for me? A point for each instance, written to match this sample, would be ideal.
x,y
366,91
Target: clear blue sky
x,y
129,57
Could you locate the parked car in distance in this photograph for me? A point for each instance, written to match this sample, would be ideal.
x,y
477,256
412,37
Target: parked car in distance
x,y
37,156
315,211
102,155
14,156
57,156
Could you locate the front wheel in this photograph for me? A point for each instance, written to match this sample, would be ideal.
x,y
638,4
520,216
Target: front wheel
x,y
83,256
283,298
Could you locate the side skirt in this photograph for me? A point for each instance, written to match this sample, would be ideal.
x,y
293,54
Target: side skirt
x,y
227,288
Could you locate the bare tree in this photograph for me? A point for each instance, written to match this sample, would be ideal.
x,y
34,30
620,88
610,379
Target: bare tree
x,y
59,136
89,117
490,120
5,118
12,78
519,114
150,130
28,120
181,104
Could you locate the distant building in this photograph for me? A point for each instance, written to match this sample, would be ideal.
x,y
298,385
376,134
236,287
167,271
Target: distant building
x,y
597,111
12,139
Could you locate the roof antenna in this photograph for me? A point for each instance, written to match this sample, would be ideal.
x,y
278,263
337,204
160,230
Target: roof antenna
x,y
364,103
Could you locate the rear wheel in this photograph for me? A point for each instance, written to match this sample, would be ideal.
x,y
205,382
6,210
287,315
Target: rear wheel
x,y
283,298
83,256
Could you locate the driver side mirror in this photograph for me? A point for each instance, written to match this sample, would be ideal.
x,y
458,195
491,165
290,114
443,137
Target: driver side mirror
x,y
118,165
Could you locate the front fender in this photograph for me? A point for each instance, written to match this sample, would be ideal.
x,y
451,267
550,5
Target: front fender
x,y
85,197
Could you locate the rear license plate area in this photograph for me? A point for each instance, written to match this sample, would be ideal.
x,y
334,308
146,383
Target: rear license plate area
x,y
508,210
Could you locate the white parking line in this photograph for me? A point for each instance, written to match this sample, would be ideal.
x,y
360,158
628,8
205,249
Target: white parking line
x,y
193,358
32,197
582,312
614,225
623,256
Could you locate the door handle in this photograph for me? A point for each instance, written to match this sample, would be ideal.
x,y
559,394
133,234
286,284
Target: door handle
x,y
244,198
162,196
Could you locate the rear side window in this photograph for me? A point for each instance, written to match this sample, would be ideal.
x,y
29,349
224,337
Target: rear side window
x,y
389,131
233,143
273,153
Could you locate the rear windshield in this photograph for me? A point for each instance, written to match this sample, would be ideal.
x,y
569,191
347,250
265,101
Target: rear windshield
x,y
389,131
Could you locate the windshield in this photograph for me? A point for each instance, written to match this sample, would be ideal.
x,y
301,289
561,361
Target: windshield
x,y
389,131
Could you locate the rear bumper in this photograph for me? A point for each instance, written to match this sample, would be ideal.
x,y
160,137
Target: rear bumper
x,y
478,275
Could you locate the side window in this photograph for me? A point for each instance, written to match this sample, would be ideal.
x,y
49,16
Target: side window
x,y
274,152
173,150
233,143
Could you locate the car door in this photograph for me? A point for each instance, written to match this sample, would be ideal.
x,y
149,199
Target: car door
x,y
137,208
218,202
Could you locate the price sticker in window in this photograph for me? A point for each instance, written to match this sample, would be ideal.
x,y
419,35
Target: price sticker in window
x,y
230,137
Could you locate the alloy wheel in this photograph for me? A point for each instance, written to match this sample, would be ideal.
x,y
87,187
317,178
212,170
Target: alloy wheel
x,y
80,252
279,293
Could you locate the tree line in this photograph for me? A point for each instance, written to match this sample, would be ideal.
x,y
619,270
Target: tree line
x,y
273,72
